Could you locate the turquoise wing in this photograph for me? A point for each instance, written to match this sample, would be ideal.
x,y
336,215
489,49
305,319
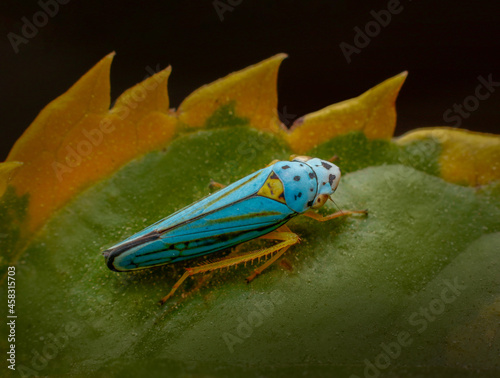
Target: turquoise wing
x,y
231,216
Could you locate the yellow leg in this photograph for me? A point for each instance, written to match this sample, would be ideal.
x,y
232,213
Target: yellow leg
x,y
323,218
283,233
214,184
289,238
206,277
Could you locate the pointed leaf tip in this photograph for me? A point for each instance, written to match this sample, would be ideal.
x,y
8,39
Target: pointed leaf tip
x,y
57,127
148,96
76,140
92,90
252,91
90,94
373,112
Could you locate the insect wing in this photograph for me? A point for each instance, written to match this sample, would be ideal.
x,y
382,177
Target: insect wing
x,y
234,192
218,230
228,217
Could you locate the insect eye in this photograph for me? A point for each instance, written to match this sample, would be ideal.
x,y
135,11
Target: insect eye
x,y
320,201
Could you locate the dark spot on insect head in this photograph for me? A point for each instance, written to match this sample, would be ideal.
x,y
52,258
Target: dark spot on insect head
x,y
324,183
326,165
285,167
331,178
299,195
297,178
312,190
301,165
311,175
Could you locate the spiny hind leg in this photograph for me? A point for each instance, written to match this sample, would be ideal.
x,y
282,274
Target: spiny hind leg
x,y
206,277
287,237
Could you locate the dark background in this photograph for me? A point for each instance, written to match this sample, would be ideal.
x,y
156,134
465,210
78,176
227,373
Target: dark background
x,y
444,45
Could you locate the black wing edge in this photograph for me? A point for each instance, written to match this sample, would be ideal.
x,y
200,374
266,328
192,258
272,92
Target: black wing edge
x,y
111,253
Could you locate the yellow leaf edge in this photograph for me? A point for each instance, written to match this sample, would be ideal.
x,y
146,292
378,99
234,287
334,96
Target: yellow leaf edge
x,y
77,140
7,171
467,157
253,90
373,112
376,105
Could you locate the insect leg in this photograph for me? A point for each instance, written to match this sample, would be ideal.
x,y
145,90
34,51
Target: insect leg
x,y
289,238
206,277
323,218
214,184
186,274
283,233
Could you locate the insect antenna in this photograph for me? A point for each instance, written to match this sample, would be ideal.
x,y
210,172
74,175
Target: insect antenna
x,y
331,199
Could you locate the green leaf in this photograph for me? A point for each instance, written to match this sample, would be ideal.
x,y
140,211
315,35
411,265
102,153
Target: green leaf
x,y
412,289
357,283
356,151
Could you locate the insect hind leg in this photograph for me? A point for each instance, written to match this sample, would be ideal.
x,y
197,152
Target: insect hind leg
x,y
186,274
287,237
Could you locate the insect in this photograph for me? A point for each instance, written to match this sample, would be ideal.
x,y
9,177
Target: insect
x,y
256,206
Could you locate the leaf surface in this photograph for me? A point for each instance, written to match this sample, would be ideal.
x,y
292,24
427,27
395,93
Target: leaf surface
x,y
417,279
